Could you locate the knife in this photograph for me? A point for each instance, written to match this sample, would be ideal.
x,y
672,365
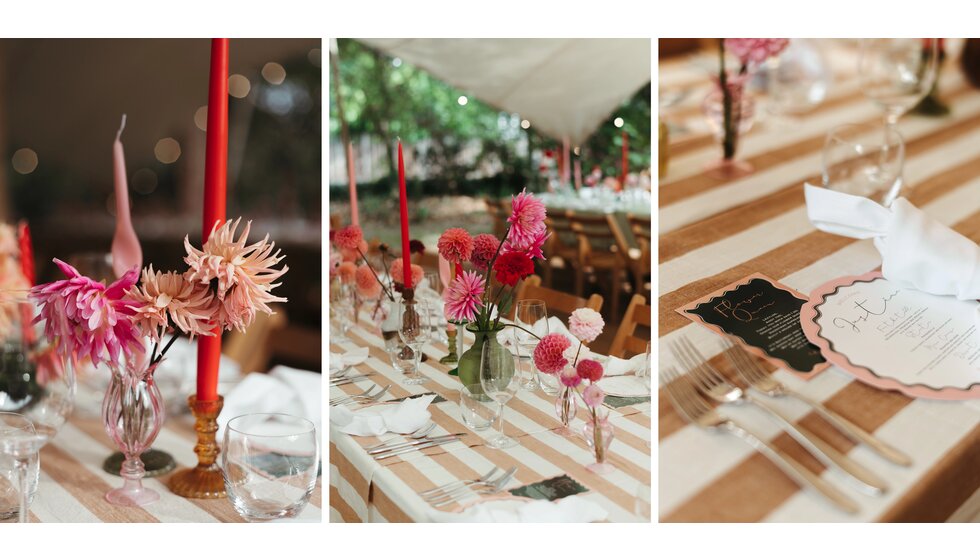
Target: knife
x,y
394,446
432,443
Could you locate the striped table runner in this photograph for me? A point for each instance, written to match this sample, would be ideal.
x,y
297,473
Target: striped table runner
x,y
713,233
73,484
362,489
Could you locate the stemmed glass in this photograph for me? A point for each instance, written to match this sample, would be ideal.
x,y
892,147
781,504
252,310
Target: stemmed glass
x,y
897,73
414,328
342,311
864,161
21,442
500,384
531,316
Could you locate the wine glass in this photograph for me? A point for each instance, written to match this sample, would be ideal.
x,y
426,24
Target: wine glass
x,y
865,161
21,442
342,312
500,383
269,463
414,328
897,73
797,80
530,325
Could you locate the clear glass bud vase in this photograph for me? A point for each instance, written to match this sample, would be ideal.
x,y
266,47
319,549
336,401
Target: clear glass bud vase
x,y
132,414
599,434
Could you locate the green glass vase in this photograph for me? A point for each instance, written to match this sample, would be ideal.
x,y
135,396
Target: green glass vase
x,y
469,362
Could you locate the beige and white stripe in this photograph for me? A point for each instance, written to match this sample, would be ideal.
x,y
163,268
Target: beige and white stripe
x,y
362,489
714,233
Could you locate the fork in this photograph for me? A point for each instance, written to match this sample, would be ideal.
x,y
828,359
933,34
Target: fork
x,y
420,433
752,374
695,409
362,398
492,488
715,386
457,484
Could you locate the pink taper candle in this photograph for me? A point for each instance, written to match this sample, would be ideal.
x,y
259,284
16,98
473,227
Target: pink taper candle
x,y
126,251
566,162
352,182
403,207
578,174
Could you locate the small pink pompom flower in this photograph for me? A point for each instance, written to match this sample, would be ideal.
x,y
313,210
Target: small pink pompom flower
x,y
590,370
484,248
367,285
549,354
526,219
570,378
755,51
349,237
463,296
397,272
455,245
347,270
585,324
593,395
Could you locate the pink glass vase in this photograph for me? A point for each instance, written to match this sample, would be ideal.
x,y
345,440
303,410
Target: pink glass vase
x,y
132,414
599,434
566,408
729,129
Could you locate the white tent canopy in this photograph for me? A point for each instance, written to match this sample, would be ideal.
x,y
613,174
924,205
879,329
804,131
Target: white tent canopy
x,y
564,87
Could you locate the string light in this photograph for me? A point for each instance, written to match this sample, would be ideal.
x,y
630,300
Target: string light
x,y
525,124
619,122
462,100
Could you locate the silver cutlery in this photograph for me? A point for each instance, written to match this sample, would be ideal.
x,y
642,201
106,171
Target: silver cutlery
x,y
425,430
456,494
457,484
492,488
366,397
416,442
697,411
715,386
424,445
759,380
345,380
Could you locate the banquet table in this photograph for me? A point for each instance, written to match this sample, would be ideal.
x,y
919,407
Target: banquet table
x,y
365,490
73,485
715,232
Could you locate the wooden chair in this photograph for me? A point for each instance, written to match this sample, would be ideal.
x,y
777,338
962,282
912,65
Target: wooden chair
x,y
637,313
640,259
252,349
499,210
564,303
599,242
561,248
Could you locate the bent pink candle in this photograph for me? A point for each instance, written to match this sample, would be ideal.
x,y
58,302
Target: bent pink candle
x,y
403,208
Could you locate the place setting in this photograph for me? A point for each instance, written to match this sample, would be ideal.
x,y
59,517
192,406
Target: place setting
x,y
840,352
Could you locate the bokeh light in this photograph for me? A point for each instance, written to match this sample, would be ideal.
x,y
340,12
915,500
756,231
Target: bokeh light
x,y
167,150
24,161
238,86
274,73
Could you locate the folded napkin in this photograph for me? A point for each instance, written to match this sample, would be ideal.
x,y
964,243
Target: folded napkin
x,y
619,377
402,418
617,366
572,509
283,390
917,251
350,358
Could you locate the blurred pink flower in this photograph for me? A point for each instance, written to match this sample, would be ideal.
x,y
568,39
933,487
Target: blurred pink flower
x,y
397,272
755,51
335,260
585,324
346,271
86,319
549,354
590,370
349,237
165,298
484,248
534,247
241,275
526,220
569,377
463,296
593,395
455,245
367,285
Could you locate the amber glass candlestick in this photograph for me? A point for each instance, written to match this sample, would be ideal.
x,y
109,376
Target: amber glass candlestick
x,y
204,480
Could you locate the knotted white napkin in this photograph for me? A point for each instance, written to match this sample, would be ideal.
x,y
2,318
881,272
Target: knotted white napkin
x,y
350,358
917,251
572,509
402,418
619,377
283,390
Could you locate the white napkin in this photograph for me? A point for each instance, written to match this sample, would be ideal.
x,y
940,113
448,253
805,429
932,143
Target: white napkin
x,y
282,390
350,358
617,366
181,365
917,251
402,418
572,509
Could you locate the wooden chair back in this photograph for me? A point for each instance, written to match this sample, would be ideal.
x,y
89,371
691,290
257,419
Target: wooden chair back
x,y
253,348
626,343
499,210
598,234
531,288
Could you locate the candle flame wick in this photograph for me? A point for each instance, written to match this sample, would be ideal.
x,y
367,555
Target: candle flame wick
x,y
121,127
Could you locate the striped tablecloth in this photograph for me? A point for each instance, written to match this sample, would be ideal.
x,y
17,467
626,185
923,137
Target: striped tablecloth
x,y
362,489
73,484
713,233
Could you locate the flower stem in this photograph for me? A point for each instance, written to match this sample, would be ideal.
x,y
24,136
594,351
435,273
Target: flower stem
x,y
170,343
375,274
523,329
575,361
728,141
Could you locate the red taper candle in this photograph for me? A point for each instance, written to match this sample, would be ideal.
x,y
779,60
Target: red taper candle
x,y
215,189
352,185
403,206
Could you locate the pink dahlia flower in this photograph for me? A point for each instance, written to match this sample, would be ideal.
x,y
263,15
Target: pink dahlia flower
x,y
463,296
593,395
589,369
352,255
397,272
585,324
549,354
484,248
349,237
535,247
755,51
86,319
570,378
367,285
165,298
526,219
455,245
346,271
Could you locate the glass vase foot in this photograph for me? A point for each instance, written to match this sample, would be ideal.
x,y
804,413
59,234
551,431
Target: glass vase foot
x,y
501,442
728,169
157,463
124,496
416,380
600,468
